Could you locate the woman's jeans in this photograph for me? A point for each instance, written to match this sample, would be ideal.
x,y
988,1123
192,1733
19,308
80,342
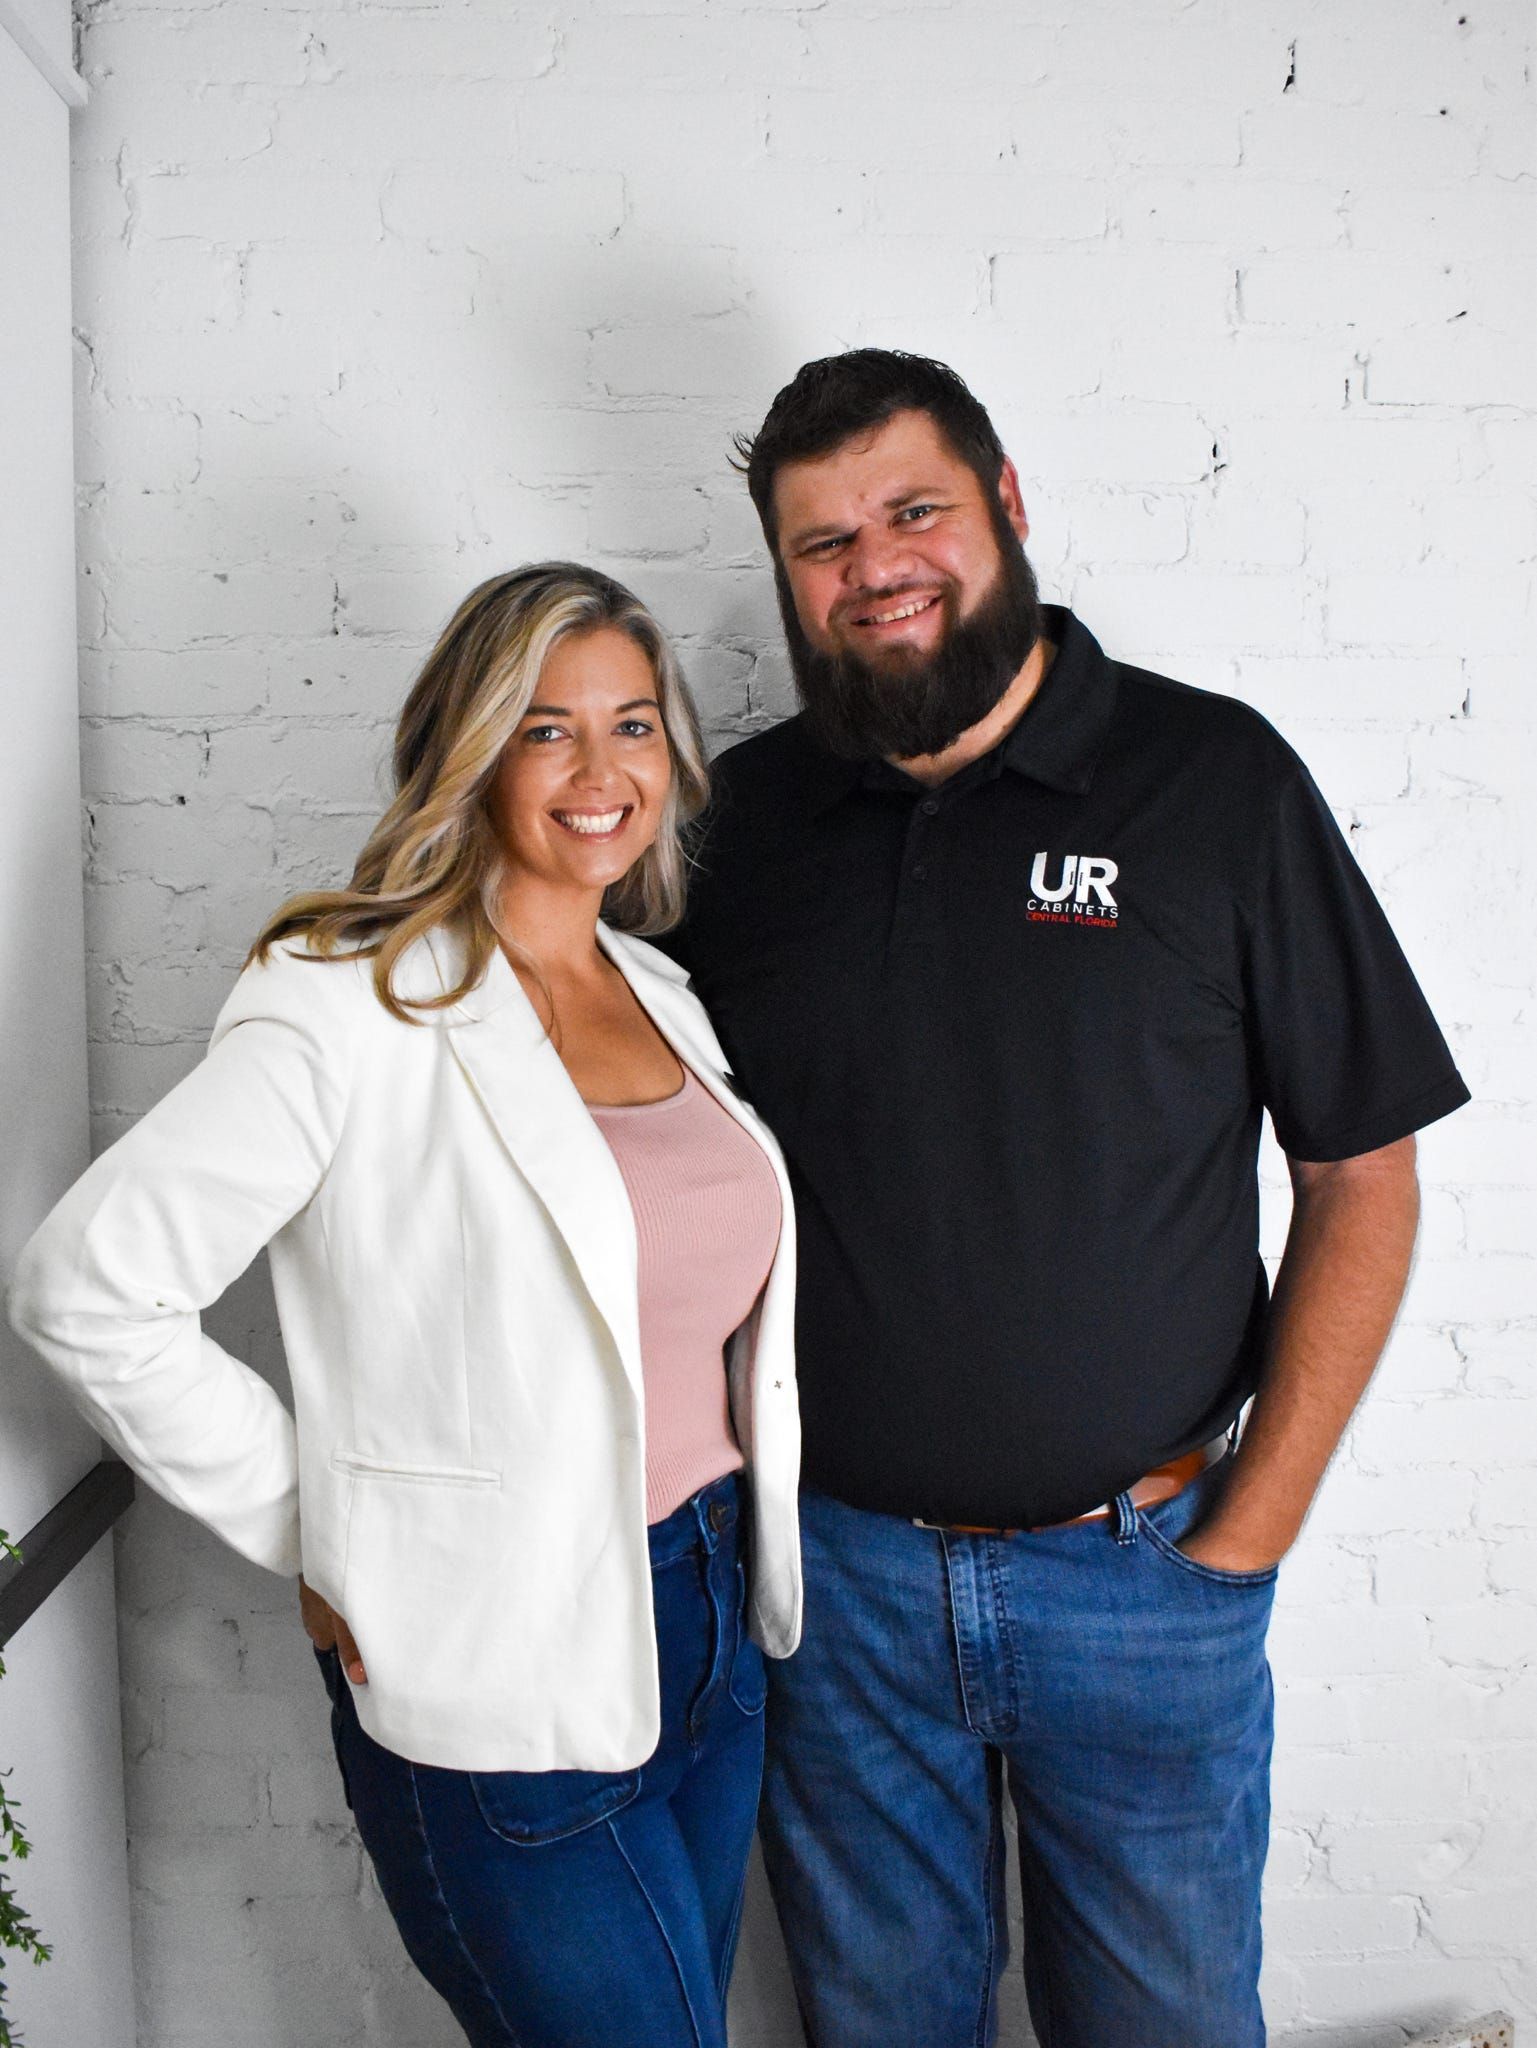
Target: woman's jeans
x,y
1122,1690
555,1909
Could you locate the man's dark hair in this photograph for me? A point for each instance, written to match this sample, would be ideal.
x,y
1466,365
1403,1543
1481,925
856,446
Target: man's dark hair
x,y
828,401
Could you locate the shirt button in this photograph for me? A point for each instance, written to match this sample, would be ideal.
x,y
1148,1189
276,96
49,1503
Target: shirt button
x,y
929,807
919,872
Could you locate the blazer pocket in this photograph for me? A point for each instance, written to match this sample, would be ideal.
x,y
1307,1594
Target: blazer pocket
x,y
357,1467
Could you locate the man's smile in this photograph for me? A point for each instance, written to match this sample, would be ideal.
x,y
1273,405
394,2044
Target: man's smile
x,y
910,608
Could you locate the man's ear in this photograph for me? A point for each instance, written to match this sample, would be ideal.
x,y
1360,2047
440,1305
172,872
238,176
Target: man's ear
x,y
1010,499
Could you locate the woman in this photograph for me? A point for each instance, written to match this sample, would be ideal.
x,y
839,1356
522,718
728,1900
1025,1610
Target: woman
x,y
514,1211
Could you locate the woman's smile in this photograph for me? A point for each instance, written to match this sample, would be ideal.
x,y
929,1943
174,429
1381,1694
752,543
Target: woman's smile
x,y
607,824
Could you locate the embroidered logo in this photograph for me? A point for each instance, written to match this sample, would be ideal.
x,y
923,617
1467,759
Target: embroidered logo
x,y
1080,895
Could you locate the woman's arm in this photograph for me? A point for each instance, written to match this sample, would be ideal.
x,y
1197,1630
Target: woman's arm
x,y
109,1289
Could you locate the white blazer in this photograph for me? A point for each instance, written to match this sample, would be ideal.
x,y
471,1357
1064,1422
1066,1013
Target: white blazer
x,y
454,1258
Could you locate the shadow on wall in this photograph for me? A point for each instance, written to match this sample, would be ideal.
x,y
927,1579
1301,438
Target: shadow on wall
x,y
605,377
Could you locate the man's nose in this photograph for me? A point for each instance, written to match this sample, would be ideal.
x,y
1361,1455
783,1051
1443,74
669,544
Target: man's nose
x,y
878,560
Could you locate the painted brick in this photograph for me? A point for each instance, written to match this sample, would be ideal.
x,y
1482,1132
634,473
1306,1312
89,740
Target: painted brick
x,y
1233,213
255,205
1456,363
1196,608
496,213
1372,1783
1366,1857
1401,145
1332,1925
168,607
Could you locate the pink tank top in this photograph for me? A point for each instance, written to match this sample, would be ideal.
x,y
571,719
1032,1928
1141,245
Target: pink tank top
x,y
707,1218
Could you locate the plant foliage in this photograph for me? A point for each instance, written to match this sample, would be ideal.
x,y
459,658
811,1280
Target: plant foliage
x,y
16,1930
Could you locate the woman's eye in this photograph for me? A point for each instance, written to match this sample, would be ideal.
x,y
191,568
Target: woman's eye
x,y
637,728
539,734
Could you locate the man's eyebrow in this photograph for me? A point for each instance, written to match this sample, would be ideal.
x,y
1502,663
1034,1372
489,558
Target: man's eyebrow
x,y
912,496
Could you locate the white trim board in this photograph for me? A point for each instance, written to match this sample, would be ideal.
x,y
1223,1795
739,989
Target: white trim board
x,y
67,83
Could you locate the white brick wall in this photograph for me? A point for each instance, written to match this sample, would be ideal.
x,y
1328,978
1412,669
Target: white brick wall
x,y
373,300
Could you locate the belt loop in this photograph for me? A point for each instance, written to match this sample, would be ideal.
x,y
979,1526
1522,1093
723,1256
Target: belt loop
x,y
1125,1519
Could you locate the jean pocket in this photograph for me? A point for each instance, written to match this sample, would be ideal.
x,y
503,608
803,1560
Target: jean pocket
x,y
534,1807
1161,1544
748,1683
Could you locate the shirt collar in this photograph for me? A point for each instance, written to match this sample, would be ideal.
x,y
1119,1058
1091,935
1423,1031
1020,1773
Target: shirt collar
x,y
1057,740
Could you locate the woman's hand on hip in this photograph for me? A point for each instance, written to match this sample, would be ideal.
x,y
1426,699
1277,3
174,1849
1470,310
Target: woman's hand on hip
x,y
327,1631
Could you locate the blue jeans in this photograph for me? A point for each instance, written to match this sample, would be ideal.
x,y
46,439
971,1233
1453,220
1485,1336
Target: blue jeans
x,y
557,1908
1124,1691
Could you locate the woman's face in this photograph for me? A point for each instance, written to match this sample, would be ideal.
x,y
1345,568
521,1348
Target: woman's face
x,y
578,793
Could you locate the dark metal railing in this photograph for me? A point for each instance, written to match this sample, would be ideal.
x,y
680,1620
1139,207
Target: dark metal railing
x,y
51,1550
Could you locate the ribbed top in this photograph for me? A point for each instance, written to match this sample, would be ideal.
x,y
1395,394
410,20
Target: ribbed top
x,y
707,1218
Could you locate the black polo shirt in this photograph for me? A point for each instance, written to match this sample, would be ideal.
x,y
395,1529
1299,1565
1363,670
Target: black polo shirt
x,y
1015,1035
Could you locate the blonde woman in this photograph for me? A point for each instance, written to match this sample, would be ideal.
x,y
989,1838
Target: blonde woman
x,y
533,1262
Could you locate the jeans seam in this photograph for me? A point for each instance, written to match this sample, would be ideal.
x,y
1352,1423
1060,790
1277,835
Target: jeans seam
x,y
1045,2024
989,1885
728,1947
677,1963
1008,1723
448,1913
957,1632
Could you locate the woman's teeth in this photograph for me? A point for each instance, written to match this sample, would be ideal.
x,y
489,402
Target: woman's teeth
x,y
594,823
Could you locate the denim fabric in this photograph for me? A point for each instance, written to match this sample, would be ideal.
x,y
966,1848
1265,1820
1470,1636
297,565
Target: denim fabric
x,y
1124,1691
551,1908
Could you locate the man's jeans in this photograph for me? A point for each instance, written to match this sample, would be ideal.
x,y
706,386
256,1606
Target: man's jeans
x,y
1124,1690
556,1907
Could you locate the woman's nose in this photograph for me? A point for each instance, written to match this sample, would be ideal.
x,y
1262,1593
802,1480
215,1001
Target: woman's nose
x,y
594,764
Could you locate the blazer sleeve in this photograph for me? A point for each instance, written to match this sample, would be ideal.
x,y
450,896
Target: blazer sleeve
x,y
110,1288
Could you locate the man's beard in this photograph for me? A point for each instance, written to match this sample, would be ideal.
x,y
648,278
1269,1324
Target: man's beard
x,y
909,703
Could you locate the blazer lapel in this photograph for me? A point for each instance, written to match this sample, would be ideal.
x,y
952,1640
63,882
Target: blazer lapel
x,y
546,1127
544,1124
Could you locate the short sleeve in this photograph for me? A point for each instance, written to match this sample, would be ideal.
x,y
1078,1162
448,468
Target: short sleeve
x,y
1348,1056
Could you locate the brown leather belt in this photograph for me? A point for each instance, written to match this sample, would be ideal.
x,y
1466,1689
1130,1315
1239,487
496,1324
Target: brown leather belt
x,y
1162,1483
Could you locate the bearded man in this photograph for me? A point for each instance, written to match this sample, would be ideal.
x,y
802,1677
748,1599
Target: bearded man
x,y
1013,945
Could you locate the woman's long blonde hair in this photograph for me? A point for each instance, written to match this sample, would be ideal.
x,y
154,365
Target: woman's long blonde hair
x,y
434,858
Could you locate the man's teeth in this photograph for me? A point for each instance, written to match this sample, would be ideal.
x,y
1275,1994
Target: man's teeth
x,y
590,821
906,611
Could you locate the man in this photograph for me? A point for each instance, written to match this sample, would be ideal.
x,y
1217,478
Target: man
x,y
1012,944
